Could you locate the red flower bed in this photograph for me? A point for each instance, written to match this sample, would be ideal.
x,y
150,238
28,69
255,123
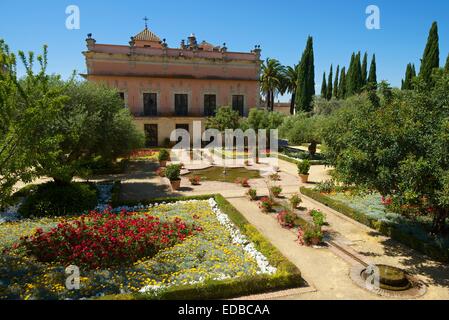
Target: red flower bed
x,y
106,239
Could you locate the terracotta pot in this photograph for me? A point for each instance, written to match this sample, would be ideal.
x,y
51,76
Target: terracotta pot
x,y
304,178
163,163
175,184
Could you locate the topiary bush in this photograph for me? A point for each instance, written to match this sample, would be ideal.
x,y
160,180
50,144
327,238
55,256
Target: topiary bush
x,y
50,199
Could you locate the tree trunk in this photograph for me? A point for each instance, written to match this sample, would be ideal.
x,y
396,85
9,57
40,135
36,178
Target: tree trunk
x,y
268,100
292,104
272,101
439,221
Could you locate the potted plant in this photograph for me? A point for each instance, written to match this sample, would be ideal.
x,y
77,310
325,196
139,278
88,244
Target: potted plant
x,y
266,204
160,172
252,193
163,157
275,177
173,173
244,182
303,170
195,180
313,236
319,219
286,219
276,191
295,200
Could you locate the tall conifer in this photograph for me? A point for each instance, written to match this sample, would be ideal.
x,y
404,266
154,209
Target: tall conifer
x,y
324,87
329,84
342,87
372,78
365,69
306,78
337,73
431,56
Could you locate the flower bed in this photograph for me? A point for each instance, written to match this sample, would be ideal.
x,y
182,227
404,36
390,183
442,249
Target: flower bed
x,y
370,211
216,255
144,154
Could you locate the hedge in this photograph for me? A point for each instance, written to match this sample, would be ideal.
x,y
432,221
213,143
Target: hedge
x,y
387,229
295,161
287,276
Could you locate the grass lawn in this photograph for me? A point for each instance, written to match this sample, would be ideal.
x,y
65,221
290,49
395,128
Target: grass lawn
x,y
226,257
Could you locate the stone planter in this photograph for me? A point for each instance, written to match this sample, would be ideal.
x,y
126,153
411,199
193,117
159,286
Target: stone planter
x,y
304,178
315,241
175,184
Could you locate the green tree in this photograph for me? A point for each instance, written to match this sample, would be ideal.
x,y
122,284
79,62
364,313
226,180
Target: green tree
x,y
336,83
92,123
324,86
271,80
343,85
329,84
446,67
410,74
431,56
398,148
291,84
27,109
372,78
364,72
225,118
306,79
354,81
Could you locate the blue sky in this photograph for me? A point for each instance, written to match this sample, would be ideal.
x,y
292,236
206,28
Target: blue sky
x,y
280,27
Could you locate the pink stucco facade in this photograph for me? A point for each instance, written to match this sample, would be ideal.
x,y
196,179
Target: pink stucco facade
x,y
156,81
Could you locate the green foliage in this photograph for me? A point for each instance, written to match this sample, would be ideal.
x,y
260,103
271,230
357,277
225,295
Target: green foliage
x,y
290,84
259,119
301,129
276,191
324,107
306,79
27,109
398,147
225,118
319,219
342,87
173,172
91,123
431,55
446,67
336,83
324,86
372,77
252,193
51,199
410,74
364,72
304,167
271,80
295,200
329,84
163,155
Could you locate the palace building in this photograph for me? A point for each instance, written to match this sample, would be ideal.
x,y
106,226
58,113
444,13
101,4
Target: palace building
x,y
170,88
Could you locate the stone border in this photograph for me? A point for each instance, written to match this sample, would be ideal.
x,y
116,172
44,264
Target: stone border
x,y
418,288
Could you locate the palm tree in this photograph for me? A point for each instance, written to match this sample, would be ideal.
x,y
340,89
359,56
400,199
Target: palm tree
x,y
271,80
290,84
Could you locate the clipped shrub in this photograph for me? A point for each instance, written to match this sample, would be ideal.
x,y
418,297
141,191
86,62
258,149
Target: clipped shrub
x,y
164,155
173,172
50,199
304,167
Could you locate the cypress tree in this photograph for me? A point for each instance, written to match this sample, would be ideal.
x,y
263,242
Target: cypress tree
x,y
372,78
306,78
431,56
329,84
446,67
410,73
349,77
337,73
324,87
365,69
358,74
342,86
